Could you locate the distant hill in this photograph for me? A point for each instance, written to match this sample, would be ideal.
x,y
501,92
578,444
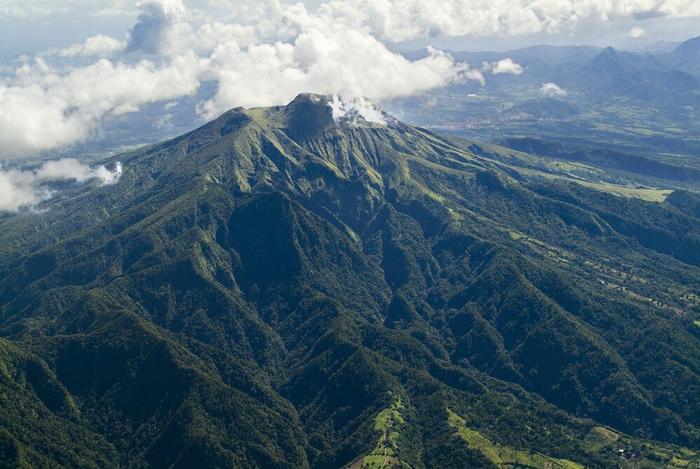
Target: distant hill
x,y
638,76
686,57
605,158
548,63
542,63
547,108
689,47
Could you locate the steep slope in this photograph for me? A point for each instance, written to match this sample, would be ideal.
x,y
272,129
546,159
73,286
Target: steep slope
x,y
321,285
40,424
686,56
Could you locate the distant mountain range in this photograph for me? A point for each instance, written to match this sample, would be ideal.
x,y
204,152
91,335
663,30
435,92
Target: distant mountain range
x,y
686,56
321,285
636,103
589,76
639,76
603,73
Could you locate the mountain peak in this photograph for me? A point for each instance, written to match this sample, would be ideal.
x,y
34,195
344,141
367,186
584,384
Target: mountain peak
x,y
306,116
608,55
310,114
609,62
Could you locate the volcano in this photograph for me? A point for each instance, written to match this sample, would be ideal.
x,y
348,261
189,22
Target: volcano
x,y
321,285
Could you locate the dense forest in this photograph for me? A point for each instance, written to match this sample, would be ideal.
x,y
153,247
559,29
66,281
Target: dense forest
x,y
280,288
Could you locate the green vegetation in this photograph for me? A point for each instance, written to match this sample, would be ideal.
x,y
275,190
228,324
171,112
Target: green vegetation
x,y
634,453
599,438
388,423
274,290
503,456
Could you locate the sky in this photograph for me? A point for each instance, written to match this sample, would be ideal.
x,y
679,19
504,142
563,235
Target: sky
x,y
31,26
67,65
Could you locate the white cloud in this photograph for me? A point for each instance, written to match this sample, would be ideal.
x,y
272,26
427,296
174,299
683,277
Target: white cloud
x,y
95,46
210,35
44,8
156,26
552,90
504,66
267,53
400,20
344,62
351,110
42,108
276,52
679,8
25,189
637,32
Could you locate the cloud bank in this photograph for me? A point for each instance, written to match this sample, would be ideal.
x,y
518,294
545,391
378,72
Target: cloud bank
x,y
401,20
283,51
26,189
347,63
42,108
264,53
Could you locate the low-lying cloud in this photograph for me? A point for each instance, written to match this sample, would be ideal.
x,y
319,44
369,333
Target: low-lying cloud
x,y
346,62
20,189
285,50
355,109
552,90
636,32
504,66
42,108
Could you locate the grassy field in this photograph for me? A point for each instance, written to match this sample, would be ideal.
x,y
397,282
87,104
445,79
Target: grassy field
x,y
599,438
639,454
504,456
388,424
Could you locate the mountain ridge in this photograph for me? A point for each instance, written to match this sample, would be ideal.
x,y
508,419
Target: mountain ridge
x,y
282,270
642,76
